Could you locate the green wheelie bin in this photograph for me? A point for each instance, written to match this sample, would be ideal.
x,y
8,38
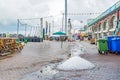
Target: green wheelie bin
x,y
25,40
102,45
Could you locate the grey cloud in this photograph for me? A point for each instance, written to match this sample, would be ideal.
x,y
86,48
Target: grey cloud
x,y
10,10
37,2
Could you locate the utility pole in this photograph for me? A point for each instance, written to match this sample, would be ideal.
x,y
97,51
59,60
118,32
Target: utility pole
x,y
25,29
36,28
53,26
49,29
69,29
30,31
17,28
62,21
46,27
66,17
41,22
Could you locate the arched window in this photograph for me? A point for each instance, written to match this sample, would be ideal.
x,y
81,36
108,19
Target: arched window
x,y
107,25
104,25
101,27
93,28
114,22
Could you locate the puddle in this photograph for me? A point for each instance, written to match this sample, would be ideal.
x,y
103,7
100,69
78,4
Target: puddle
x,y
45,73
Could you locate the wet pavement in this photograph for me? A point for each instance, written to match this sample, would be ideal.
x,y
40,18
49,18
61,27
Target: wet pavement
x,y
107,66
34,57
45,73
30,59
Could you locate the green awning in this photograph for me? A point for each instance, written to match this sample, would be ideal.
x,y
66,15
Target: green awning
x,y
59,33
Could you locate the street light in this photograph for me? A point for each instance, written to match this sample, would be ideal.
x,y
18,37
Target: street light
x,y
62,21
66,16
69,29
17,27
25,29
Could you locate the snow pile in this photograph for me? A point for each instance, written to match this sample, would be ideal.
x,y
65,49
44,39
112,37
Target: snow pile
x,y
75,63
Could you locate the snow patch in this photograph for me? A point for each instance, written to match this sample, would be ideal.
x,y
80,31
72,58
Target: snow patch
x,y
46,73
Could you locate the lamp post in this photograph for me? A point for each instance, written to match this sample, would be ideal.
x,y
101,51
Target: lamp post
x,y
66,16
62,21
41,29
17,27
25,29
69,29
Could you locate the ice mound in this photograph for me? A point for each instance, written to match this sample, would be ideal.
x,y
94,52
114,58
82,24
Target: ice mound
x,y
75,63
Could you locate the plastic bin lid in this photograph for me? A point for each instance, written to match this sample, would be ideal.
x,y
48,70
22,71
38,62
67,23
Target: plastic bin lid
x,y
116,39
111,36
102,39
114,36
105,37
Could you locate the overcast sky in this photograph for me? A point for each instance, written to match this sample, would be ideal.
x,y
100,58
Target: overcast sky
x,y
11,10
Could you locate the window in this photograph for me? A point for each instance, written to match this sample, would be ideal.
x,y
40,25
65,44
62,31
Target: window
x,y
107,25
104,25
114,22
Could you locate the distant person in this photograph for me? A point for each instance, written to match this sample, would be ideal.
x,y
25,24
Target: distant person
x,y
79,37
73,36
89,37
76,37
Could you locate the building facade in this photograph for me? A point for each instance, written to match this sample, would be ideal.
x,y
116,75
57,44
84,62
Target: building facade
x,y
106,24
